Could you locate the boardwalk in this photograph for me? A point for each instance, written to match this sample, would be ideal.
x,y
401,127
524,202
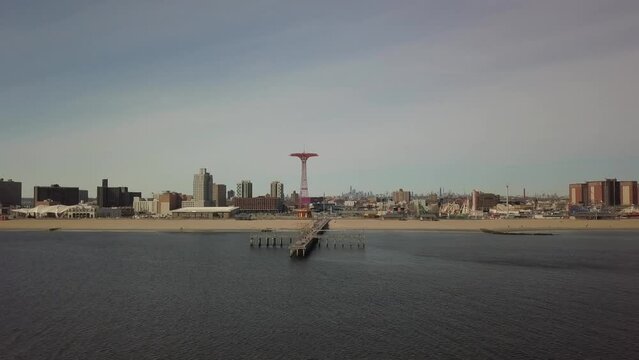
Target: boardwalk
x,y
304,245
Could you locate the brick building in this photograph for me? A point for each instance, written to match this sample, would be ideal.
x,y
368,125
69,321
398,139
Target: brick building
x,y
259,204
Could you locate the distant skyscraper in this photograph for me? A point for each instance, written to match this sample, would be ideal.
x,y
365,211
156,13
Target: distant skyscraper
x,y
277,190
202,188
244,189
219,194
230,194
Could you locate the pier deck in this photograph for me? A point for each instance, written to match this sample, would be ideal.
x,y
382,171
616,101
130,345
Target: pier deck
x,y
303,246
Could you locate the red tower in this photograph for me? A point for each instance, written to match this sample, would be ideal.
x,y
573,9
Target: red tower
x,y
304,198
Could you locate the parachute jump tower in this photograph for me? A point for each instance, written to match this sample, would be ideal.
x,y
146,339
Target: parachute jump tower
x,y
305,200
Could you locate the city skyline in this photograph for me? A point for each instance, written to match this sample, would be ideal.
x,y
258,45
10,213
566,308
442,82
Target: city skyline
x,y
454,94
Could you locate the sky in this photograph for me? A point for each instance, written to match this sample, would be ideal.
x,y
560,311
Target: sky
x,y
419,95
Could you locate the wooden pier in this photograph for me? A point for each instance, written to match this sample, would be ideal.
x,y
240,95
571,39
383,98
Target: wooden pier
x,y
272,239
313,236
303,246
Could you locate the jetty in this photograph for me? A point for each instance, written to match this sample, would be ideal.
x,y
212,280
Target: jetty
x,y
500,232
303,246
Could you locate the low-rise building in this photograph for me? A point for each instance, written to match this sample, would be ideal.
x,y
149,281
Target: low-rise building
x,y
79,211
114,212
146,206
188,203
209,212
259,204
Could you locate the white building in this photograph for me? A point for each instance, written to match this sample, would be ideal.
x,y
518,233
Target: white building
x,y
57,211
144,206
209,212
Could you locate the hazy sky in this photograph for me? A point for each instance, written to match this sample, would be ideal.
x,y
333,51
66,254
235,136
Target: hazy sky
x,y
412,94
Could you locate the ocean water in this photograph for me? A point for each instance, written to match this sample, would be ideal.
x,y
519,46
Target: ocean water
x,y
408,295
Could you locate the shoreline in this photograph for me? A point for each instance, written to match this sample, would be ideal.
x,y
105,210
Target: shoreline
x,y
231,225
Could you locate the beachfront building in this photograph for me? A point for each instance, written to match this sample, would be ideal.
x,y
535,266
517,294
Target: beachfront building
x,y
209,212
114,212
80,211
146,206
609,192
56,195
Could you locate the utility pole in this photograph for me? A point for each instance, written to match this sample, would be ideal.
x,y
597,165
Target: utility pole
x,y
507,203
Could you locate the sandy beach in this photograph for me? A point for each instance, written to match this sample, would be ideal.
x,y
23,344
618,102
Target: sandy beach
x,y
292,224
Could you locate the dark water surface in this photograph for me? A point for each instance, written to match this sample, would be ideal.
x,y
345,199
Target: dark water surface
x,y
409,295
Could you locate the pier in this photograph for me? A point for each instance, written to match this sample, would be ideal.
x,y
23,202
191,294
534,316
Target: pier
x,y
303,246
314,236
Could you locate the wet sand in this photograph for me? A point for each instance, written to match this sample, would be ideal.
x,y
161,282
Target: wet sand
x,y
293,224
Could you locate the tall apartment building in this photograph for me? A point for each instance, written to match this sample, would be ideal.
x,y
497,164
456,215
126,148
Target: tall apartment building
x,y
277,190
578,194
115,196
219,195
203,188
84,195
56,194
628,193
244,189
10,193
609,192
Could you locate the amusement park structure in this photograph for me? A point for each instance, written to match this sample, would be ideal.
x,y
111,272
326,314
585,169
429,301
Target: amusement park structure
x,y
304,197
